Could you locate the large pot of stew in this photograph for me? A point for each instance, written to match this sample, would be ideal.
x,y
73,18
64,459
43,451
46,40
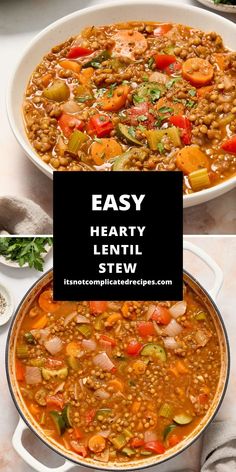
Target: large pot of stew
x,y
117,385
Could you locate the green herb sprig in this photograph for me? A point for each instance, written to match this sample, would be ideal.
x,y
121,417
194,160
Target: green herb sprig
x,y
25,250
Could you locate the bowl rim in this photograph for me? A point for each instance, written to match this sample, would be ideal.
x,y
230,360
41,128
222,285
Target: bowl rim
x,y
188,200
112,468
5,291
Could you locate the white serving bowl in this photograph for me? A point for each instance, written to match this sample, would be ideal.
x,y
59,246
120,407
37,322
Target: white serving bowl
x,y
59,31
224,7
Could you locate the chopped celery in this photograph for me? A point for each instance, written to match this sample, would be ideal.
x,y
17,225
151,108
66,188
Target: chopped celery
x,y
183,419
85,330
73,362
145,453
22,351
58,422
75,142
49,374
96,61
166,410
29,338
127,434
67,416
128,451
37,362
201,316
119,441
199,179
168,430
154,137
58,91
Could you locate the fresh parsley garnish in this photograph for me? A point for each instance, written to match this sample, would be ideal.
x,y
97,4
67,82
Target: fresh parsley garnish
x,y
164,110
155,94
25,250
131,131
150,62
190,103
172,82
160,148
138,99
192,92
142,118
111,90
159,120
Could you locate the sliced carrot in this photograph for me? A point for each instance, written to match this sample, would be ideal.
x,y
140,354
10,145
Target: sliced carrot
x,y
41,322
85,75
71,65
136,442
174,371
112,319
34,409
46,79
73,349
135,406
176,108
97,443
197,71
117,385
20,371
117,100
47,303
191,158
203,91
129,43
97,307
105,149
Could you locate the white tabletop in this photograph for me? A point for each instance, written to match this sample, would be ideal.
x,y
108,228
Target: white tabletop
x,y
20,20
18,281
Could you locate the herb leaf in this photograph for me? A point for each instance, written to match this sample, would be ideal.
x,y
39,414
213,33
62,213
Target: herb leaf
x,y
25,250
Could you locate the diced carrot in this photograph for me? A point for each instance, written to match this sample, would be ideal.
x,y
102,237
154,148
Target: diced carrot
x,y
135,406
173,440
125,309
89,415
181,367
117,100
77,433
161,315
34,409
104,149
203,91
162,28
117,385
176,108
197,71
97,307
146,328
79,448
40,323
174,371
71,65
73,349
55,401
20,371
108,339
97,443
46,79
191,158
222,60
203,398
85,75
47,303
129,42
112,319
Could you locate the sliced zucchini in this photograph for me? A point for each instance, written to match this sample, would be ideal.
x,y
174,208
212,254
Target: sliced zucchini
x,y
201,316
58,422
128,451
166,410
149,91
55,373
102,412
67,416
145,453
123,160
168,430
119,441
37,362
154,350
96,61
123,133
183,419
22,351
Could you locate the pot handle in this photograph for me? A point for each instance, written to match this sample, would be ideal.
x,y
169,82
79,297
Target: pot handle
x,y
218,274
28,458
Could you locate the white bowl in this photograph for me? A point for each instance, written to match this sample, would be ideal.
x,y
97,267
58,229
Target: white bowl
x,y
59,31
9,263
219,7
9,305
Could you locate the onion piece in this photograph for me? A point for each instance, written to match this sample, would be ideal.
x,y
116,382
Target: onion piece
x,y
150,311
89,344
82,319
70,317
43,333
202,338
81,383
59,388
71,107
54,345
105,433
170,343
173,328
103,456
150,436
178,309
101,393
33,375
157,328
103,361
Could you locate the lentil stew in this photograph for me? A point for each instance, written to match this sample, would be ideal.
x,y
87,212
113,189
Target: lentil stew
x,y
137,96
117,381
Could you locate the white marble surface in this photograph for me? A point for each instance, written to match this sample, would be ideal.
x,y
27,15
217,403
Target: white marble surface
x,y
223,250
20,20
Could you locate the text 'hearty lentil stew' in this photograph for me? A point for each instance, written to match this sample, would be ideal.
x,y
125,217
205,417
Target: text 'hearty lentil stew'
x,y
137,96
117,381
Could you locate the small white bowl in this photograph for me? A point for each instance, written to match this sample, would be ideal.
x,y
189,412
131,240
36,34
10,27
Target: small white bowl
x,y
9,307
219,7
115,12
10,263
